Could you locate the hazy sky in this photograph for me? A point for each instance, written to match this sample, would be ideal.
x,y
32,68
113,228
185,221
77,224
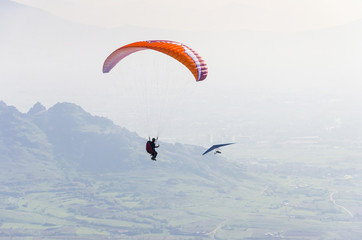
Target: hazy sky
x,y
50,59
260,15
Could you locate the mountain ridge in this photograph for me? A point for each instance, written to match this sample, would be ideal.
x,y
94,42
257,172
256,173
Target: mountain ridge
x,y
67,137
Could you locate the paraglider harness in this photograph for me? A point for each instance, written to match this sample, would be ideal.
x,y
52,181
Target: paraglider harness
x,y
151,149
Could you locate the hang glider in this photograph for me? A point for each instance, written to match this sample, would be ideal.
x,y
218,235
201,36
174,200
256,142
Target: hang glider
x,y
216,147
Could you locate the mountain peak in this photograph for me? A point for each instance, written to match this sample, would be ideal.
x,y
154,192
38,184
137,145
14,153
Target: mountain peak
x,y
68,107
8,109
37,108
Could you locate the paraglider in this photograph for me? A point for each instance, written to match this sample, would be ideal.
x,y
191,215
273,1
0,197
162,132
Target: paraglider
x,y
182,53
217,148
179,51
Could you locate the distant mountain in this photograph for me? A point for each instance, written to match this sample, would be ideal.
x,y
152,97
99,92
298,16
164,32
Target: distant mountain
x,y
25,151
65,137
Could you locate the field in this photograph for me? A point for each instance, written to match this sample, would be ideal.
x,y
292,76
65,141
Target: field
x,y
316,195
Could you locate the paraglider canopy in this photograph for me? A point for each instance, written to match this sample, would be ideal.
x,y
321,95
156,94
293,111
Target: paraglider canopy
x,y
216,146
182,53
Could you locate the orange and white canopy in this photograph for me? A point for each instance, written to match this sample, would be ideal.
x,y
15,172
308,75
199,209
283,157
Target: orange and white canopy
x,y
182,53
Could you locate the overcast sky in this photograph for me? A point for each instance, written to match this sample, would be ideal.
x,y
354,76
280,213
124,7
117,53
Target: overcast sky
x,y
213,15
